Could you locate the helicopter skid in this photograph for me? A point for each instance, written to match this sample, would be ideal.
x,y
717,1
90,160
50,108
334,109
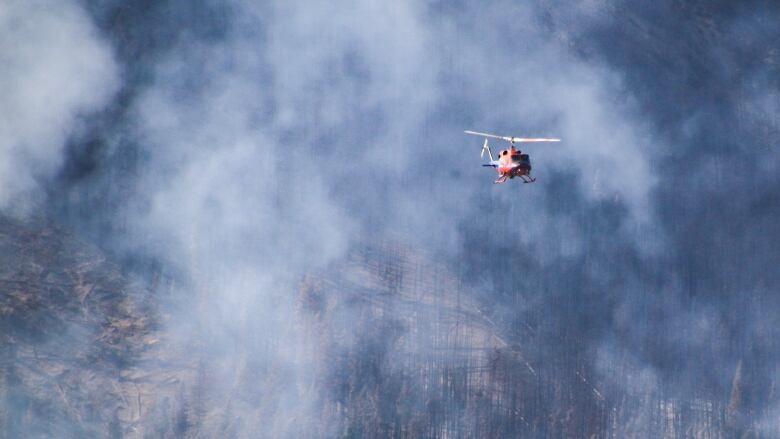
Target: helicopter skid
x,y
527,179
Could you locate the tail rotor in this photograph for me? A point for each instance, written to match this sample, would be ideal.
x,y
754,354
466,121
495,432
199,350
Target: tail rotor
x,y
485,148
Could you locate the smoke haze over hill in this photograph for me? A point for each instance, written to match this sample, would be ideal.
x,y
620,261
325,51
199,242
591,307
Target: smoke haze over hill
x,y
234,148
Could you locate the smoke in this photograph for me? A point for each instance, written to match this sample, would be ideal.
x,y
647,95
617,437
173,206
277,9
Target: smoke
x,y
308,128
56,72
698,310
270,138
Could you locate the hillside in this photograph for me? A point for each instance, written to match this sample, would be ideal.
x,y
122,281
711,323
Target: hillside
x,y
395,347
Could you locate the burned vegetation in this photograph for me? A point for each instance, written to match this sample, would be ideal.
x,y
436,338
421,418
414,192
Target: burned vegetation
x,y
411,353
387,345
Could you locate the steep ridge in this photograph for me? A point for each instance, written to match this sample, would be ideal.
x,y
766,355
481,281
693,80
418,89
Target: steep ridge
x,y
387,343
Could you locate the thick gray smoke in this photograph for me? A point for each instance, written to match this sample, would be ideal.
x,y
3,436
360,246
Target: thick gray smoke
x,y
310,127
308,121
56,71
255,142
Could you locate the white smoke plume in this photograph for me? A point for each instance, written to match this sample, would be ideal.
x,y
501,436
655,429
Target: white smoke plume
x,y
292,131
56,71
314,125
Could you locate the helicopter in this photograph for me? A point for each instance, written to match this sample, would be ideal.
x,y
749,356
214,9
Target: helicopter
x,y
511,162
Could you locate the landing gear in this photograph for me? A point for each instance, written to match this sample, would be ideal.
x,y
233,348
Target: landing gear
x,y
527,179
501,179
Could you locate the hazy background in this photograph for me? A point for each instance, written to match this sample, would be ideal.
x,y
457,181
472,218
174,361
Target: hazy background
x,y
238,145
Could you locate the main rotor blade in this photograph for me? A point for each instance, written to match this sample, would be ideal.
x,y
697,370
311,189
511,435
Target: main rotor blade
x,y
533,139
513,139
508,139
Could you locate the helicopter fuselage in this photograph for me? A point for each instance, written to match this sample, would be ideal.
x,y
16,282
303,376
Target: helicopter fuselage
x,y
513,163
